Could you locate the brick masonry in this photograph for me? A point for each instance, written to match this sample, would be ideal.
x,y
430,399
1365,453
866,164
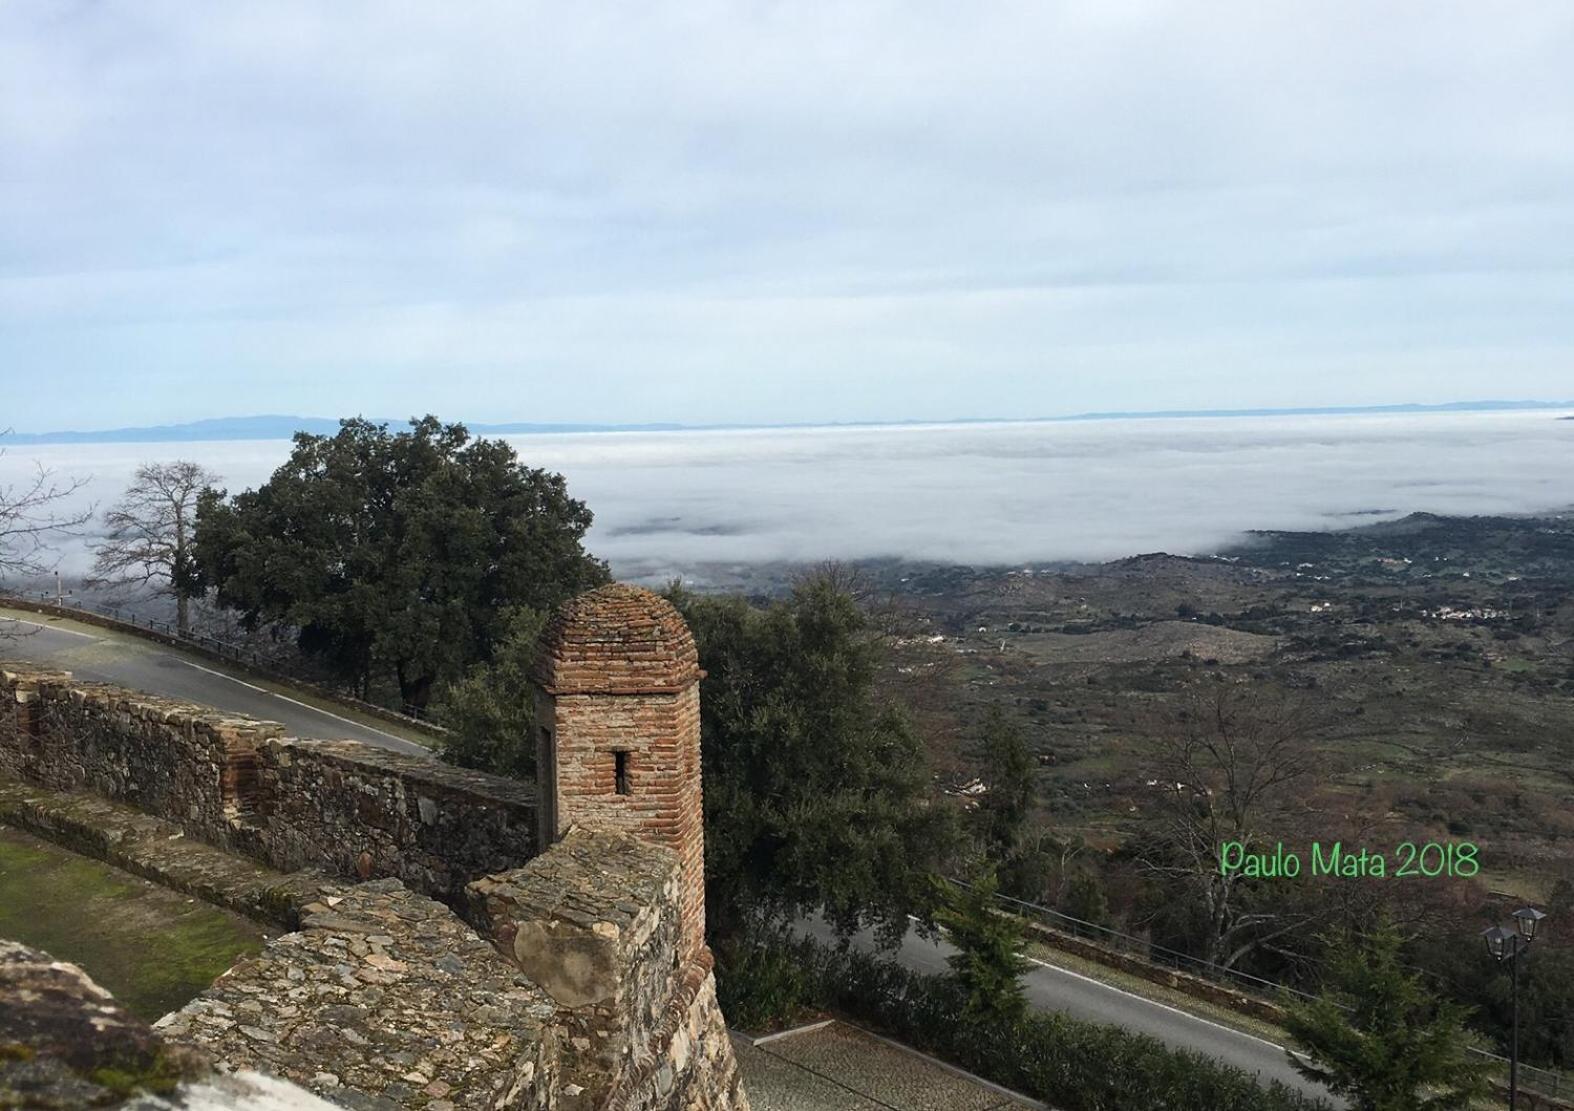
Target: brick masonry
x,y
584,965
618,716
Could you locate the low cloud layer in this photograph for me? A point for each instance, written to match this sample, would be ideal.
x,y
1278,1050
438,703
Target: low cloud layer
x,y
670,502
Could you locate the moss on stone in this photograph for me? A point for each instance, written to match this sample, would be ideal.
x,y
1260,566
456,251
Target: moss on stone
x,y
158,1075
152,948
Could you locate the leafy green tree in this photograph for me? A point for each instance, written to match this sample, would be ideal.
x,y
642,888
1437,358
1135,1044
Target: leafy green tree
x,y
816,790
1009,769
1379,1037
1022,854
396,554
1085,898
490,713
1546,992
988,963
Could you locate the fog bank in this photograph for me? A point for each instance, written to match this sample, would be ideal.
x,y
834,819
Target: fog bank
x,y
669,502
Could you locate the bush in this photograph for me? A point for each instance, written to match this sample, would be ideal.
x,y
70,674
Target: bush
x,y
763,987
1072,1065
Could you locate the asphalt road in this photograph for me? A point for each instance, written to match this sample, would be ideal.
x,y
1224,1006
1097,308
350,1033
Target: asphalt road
x,y
1050,988
104,656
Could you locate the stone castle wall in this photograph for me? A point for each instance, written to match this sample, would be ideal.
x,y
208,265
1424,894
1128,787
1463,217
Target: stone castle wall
x,y
338,806
369,812
187,763
566,981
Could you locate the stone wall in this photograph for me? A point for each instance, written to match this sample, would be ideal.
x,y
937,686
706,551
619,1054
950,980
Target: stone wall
x,y
187,763
340,806
1195,986
583,989
597,921
383,999
582,1000
365,812
64,1043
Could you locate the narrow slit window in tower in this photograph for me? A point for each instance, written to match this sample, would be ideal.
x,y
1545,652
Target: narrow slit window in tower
x,y
620,773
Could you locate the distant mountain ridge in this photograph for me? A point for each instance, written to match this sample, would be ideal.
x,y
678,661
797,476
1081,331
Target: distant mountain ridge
x,y
279,427
282,427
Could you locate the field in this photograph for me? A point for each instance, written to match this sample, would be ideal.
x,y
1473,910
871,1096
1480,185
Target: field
x,y
1441,650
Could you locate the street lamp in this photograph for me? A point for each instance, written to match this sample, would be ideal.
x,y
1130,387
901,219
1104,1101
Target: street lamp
x,y
1506,945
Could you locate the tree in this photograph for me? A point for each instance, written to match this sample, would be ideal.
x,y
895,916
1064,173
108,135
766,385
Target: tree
x,y
396,554
816,790
149,534
490,713
32,514
988,960
1380,1037
1009,770
1230,767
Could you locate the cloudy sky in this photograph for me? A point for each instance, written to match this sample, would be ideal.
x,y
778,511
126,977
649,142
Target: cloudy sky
x,y
710,212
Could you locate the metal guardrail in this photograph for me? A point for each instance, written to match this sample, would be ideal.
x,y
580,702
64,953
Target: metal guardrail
x,y
1546,1082
227,649
1145,949
1542,1081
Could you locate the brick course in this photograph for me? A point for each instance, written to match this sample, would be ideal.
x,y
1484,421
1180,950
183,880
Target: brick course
x,y
619,673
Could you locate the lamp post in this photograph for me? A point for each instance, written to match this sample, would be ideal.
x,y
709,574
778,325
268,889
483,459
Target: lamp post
x,y
1506,945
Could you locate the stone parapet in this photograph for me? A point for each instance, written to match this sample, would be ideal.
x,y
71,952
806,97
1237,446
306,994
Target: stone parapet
x,y
367,812
184,762
574,975
387,998
597,922
341,806
157,850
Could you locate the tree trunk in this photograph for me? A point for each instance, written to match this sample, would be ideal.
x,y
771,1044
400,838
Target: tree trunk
x,y
182,612
415,693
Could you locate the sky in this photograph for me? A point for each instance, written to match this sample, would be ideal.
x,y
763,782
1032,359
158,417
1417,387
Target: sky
x,y
777,212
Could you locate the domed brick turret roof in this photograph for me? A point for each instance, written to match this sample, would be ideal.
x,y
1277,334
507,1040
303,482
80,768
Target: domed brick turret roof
x,y
617,639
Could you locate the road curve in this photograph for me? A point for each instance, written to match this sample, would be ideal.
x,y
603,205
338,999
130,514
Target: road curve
x,y
1050,988
105,656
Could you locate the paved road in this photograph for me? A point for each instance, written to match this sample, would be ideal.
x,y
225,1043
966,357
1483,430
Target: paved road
x,y
101,655
1055,989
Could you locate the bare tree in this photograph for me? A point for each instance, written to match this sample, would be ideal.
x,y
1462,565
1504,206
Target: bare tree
x,y
1232,766
147,545
33,513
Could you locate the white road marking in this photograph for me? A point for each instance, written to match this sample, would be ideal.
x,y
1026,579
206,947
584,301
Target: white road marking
x,y
221,675
1150,1002
1155,1003
295,702
51,628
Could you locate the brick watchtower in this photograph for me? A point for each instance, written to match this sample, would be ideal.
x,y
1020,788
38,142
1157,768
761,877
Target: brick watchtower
x,y
618,730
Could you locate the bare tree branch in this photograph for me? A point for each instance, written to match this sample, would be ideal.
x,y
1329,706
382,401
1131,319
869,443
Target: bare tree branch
x,y
148,534
1231,766
34,514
